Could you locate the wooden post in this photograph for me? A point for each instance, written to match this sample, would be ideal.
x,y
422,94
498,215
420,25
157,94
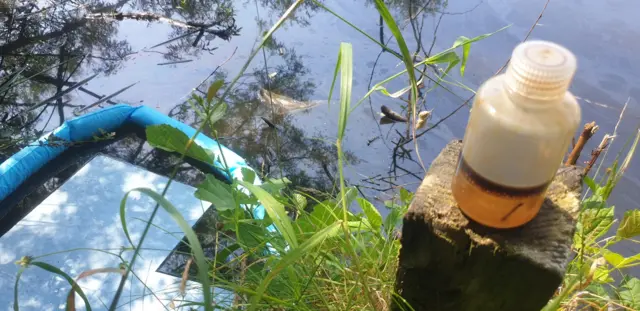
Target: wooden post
x,y
448,262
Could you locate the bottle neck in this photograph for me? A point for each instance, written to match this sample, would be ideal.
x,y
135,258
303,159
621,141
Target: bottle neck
x,y
527,101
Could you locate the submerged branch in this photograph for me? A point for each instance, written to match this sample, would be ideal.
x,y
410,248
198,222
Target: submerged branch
x,y
224,33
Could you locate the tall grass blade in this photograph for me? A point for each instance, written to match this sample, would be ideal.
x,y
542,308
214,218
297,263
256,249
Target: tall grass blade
x,y
305,248
106,98
466,48
335,77
196,248
74,286
71,297
406,55
15,289
346,81
276,212
630,153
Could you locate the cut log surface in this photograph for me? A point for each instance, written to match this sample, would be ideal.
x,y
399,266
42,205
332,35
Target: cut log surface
x,y
448,262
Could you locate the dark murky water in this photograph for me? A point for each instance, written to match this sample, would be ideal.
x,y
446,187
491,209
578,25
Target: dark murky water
x,y
299,63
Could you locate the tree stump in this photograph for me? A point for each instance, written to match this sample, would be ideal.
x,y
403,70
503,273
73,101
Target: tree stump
x,y
449,262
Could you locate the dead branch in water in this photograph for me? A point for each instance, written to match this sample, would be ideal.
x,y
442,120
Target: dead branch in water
x,y
226,33
596,152
587,132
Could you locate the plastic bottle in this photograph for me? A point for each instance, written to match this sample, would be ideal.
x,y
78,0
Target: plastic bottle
x,y
518,133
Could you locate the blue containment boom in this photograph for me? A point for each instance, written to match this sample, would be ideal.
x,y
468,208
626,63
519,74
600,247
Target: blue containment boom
x,y
21,166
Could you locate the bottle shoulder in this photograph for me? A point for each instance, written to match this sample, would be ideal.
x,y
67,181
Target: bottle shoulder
x,y
493,105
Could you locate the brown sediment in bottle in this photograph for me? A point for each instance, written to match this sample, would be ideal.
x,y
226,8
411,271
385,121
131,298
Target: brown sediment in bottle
x,y
493,204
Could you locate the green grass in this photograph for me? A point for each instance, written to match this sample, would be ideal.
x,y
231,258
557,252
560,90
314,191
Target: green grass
x,y
328,257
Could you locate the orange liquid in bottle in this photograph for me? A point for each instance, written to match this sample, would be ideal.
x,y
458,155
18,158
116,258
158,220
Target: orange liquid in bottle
x,y
492,204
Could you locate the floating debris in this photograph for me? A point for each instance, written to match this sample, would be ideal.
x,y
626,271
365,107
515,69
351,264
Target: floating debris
x,y
285,104
176,62
390,116
423,116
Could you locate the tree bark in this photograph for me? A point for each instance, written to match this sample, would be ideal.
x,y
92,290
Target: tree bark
x,y
448,262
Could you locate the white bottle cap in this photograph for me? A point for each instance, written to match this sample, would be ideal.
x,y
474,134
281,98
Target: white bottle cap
x,y
540,70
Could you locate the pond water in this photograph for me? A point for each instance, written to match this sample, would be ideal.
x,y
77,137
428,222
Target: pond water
x,y
299,62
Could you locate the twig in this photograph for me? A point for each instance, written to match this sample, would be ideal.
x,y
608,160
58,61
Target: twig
x,y
596,153
587,132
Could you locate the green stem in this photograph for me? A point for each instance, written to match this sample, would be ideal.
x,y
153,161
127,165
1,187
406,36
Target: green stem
x,y
345,225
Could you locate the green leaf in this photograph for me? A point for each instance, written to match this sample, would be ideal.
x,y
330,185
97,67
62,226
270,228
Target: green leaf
x,y
450,66
397,94
216,192
213,89
448,57
74,285
465,40
192,238
466,47
294,255
248,174
324,214
630,293
346,80
300,201
405,196
596,222
350,195
276,212
250,235
590,183
221,256
601,275
618,261
630,225
274,186
171,139
392,220
218,112
371,212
